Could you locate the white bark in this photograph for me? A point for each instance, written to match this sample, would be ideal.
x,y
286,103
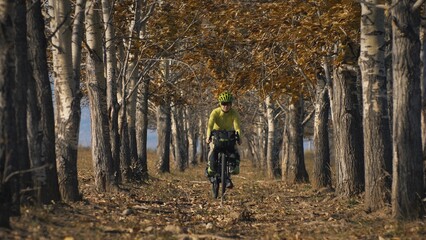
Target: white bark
x,y
66,99
271,165
96,85
377,144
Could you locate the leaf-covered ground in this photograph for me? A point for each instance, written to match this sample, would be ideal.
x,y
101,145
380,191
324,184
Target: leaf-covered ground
x,y
180,206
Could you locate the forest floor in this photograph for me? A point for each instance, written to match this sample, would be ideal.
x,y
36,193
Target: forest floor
x,y
179,206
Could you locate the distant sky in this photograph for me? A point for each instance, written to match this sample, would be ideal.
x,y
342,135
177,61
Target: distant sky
x,y
85,133
152,134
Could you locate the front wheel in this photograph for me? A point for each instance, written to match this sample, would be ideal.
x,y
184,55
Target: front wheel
x,y
215,187
223,173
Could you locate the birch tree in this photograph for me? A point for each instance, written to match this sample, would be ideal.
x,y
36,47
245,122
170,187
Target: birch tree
x,y
203,151
164,136
177,137
41,132
111,79
164,122
346,130
261,141
271,161
295,171
131,119
142,125
96,85
377,143
321,176
407,183
191,125
67,115
141,18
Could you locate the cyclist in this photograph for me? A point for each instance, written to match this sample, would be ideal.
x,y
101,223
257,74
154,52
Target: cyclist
x,y
226,118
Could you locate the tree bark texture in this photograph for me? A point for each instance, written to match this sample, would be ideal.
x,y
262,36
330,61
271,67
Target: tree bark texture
x,y
271,162
285,156
407,184
191,121
9,187
141,123
111,91
202,137
177,138
377,141
20,96
125,170
96,86
164,136
132,77
262,141
423,88
41,118
67,102
296,170
321,176
388,66
142,126
347,124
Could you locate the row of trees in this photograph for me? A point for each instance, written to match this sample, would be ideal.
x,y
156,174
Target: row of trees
x,y
286,61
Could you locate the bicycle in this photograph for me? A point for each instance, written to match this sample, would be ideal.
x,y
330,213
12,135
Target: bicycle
x,y
224,142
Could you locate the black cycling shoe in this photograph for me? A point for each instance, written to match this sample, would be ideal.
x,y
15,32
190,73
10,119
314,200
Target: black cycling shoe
x,y
229,183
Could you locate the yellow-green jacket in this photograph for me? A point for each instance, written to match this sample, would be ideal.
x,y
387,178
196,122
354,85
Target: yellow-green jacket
x,y
220,120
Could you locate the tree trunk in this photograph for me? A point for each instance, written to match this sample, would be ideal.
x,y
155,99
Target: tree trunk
x,y
96,86
321,176
142,126
262,140
42,121
407,185
111,82
377,143
191,126
125,170
77,38
131,120
347,135
164,135
271,161
388,67
202,138
296,170
423,88
67,102
177,132
20,97
9,188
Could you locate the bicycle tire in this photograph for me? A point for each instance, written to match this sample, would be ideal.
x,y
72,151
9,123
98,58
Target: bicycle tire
x,y
223,173
215,187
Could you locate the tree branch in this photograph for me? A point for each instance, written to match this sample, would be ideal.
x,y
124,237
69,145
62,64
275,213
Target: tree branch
x,y
308,117
417,5
24,171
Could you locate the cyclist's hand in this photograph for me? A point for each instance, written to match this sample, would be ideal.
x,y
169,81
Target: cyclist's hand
x,y
208,140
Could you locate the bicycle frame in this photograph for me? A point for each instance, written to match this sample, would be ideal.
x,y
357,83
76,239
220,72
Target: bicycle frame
x,y
219,181
223,165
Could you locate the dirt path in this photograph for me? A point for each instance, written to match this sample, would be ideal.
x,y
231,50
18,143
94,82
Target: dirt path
x,y
179,206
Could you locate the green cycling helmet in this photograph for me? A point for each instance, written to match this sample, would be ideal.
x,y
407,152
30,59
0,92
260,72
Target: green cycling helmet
x,y
225,97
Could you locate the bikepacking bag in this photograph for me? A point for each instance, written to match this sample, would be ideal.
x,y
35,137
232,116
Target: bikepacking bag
x,y
224,140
